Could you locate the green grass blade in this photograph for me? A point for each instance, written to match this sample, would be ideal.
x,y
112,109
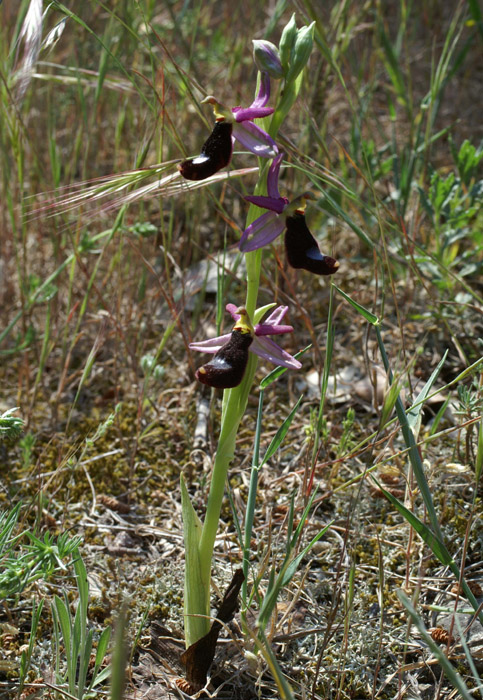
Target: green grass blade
x,y
252,497
370,317
284,689
413,452
295,563
393,66
438,652
278,371
101,652
281,433
414,413
434,543
479,456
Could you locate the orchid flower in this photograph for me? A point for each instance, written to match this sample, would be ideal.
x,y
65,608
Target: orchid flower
x,y
236,123
261,344
301,247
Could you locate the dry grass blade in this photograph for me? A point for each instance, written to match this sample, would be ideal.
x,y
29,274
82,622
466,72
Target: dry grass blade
x,y
28,45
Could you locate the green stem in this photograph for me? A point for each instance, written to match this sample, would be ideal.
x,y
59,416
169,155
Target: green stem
x,y
254,263
224,455
234,405
250,511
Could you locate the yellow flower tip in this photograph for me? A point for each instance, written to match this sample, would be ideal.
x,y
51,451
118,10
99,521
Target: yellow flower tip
x,y
304,198
244,325
299,204
220,112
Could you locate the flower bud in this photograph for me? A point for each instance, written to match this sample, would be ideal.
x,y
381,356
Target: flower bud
x,y
287,41
267,58
301,50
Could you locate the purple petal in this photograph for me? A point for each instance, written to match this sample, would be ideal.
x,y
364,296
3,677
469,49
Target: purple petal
x,y
264,91
212,345
277,315
262,329
244,114
255,139
231,308
269,350
272,178
274,204
272,325
262,231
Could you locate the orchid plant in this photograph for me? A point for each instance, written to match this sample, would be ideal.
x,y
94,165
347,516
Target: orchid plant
x,y
235,354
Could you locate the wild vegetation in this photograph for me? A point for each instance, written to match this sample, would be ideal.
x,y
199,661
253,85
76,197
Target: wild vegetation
x,y
353,501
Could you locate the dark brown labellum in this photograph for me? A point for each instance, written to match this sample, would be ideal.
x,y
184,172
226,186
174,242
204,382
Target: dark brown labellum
x,y
302,249
227,367
215,154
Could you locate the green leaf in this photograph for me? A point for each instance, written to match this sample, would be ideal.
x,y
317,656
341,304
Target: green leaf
x,y
434,543
374,320
260,313
281,433
82,582
413,452
414,413
102,645
294,564
284,689
65,621
100,677
393,65
194,594
390,399
468,159
84,659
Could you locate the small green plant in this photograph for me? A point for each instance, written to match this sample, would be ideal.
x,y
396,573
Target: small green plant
x,y
10,426
470,400
453,202
26,657
26,445
346,440
22,563
73,638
